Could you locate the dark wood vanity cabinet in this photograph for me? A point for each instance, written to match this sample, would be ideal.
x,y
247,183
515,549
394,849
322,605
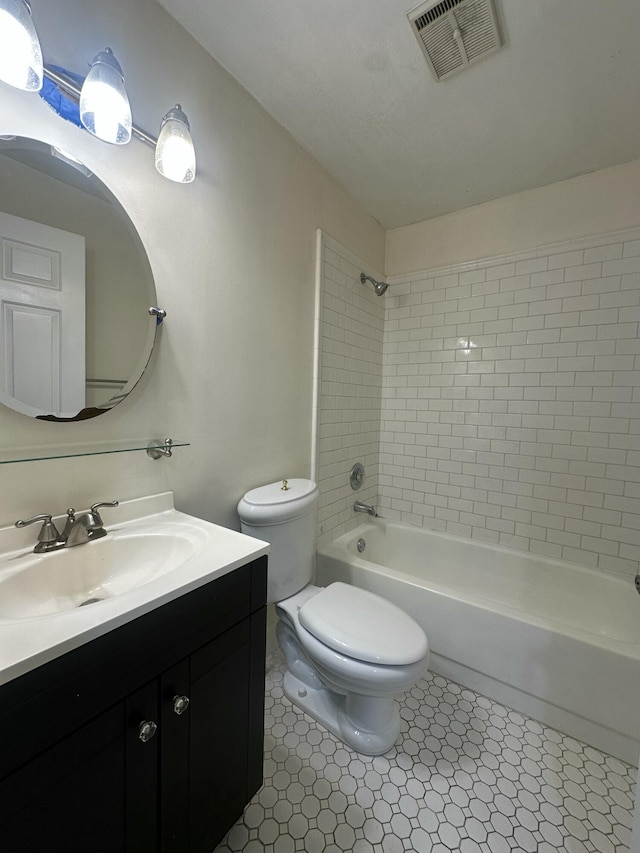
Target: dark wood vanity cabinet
x,y
149,738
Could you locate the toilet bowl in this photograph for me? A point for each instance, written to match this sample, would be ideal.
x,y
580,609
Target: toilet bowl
x,y
349,652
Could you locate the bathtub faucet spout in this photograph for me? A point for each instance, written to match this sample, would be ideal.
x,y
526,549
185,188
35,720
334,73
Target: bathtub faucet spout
x,y
360,507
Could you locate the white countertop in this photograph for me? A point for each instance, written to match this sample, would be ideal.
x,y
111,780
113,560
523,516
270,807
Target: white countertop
x,y
26,643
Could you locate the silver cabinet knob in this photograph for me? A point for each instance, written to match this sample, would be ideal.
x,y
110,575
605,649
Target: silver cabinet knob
x,y
147,730
180,704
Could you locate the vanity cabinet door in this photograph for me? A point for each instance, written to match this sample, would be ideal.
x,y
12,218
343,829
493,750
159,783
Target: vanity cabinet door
x,y
142,740
211,745
218,747
175,723
70,797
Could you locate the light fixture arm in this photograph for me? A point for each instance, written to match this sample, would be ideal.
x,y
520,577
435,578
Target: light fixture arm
x,y
70,87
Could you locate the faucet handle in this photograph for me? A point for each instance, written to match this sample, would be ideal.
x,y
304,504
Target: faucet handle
x,y
97,518
48,532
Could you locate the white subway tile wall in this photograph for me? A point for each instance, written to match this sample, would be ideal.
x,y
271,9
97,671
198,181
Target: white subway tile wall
x,y
350,389
511,401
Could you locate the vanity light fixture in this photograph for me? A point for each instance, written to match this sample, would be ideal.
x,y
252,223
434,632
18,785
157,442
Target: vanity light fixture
x,y
104,105
99,103
175,155
20,52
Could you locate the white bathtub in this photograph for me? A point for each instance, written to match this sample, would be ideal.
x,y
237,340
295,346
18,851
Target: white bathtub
x,y
555,641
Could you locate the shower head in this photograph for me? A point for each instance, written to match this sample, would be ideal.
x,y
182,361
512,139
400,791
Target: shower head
x,y
379,286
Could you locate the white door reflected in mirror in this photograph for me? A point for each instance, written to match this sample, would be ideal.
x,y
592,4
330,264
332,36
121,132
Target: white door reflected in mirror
x,y
42,318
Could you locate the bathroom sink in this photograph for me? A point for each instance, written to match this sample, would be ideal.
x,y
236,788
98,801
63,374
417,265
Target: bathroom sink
x,y
48,584
152,554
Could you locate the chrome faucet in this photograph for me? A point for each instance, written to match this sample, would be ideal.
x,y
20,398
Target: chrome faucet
x,y
78,530
360,507
85,527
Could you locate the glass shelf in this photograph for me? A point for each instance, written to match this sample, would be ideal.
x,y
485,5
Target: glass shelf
x,y
89,448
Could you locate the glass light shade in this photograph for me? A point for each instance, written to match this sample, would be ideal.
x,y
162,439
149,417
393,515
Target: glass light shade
x,y
175,154
104,105
20,52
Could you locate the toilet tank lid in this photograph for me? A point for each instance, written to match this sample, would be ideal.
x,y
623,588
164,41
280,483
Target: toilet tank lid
x,y
274,503
361,625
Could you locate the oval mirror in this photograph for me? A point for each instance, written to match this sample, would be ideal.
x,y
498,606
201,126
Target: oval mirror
x,y
75,288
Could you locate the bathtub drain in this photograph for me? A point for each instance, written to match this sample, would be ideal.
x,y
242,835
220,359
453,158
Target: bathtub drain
x,y
361,545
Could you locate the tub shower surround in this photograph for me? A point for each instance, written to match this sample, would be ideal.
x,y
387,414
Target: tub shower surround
x,y
511,401
348,386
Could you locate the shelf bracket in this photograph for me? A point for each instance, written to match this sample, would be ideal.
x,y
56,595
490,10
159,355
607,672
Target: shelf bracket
x,y
158,449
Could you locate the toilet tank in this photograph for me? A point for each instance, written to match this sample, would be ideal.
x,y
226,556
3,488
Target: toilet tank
x,y
284,515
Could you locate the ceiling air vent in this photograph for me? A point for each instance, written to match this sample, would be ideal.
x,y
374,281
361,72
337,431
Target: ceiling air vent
x,y
455,33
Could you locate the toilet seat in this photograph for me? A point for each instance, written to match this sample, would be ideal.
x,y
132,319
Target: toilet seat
x,y
363,626
343,672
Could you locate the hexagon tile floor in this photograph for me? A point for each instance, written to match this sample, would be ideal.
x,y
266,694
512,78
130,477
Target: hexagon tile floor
x,y
467,774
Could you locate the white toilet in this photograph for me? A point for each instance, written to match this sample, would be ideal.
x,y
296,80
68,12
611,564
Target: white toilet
x,y
348,651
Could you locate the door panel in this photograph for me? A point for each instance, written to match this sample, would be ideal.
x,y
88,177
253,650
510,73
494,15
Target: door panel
x,y
32,351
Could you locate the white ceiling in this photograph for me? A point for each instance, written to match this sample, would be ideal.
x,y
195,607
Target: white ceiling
x,y
348,80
